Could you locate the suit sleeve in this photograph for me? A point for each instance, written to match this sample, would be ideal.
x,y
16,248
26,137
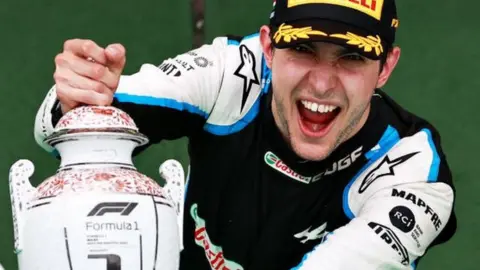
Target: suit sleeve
x,y
400,204
392,230
168,101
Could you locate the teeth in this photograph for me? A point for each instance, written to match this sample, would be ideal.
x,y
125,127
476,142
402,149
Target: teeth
x,y
315,107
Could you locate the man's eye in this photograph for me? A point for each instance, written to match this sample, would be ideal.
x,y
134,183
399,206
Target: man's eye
x,y
302,49
353,57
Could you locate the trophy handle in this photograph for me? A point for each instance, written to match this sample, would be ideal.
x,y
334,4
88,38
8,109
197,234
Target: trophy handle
x,y
21,193
172,171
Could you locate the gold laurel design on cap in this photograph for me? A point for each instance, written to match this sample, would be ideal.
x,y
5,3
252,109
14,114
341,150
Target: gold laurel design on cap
x,y
395,23
368,43
288,33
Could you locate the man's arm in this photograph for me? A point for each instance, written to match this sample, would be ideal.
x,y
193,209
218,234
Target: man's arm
x,y
391,231
168,101
400,204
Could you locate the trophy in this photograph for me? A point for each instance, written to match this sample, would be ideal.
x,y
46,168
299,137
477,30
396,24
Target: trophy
x,y
98,211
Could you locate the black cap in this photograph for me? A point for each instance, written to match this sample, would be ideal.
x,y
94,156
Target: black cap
x,y
365,26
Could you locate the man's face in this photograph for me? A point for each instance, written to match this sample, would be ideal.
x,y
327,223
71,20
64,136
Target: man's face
x,y
321,95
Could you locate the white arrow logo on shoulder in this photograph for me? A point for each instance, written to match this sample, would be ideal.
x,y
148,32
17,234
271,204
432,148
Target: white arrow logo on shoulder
x,y
384,168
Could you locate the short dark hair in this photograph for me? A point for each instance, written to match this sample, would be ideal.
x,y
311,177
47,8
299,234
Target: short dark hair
x,y
383,59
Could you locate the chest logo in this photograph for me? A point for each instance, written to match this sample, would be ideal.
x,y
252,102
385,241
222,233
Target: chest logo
x,y
213,252
312,234
276,163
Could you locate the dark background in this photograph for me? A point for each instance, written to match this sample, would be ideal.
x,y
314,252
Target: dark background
x,y
437,77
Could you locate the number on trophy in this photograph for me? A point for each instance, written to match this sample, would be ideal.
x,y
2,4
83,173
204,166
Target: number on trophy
x,y
113,261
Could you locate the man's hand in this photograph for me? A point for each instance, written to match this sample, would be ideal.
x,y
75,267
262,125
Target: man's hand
x,y
86,73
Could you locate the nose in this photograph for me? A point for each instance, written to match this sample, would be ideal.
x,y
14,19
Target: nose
x,y
323,77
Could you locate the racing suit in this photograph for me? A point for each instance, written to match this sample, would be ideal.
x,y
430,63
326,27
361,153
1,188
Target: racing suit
x,y
379,201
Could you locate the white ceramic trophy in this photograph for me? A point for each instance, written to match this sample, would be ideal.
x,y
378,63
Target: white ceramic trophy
x,y
97,212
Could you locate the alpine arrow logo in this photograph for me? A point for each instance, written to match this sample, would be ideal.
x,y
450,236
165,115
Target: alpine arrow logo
x,y
314,234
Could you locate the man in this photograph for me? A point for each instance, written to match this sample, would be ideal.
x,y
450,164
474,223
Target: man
x,y
298,159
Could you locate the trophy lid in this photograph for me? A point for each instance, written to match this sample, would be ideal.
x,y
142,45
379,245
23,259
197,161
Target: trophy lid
x,y
98,120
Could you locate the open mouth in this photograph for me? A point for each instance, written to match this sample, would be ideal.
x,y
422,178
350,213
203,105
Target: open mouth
x,y
315,118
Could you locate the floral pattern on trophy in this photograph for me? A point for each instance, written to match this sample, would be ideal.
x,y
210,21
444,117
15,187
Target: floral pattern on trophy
x,y
96,117
97,143
118,180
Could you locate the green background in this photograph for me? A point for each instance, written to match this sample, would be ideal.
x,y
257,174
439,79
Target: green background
x,y
437,77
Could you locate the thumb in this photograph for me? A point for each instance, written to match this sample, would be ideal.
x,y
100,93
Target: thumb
x,y
115,58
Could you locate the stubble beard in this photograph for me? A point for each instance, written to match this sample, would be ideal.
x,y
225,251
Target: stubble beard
x,y
352,127
278,110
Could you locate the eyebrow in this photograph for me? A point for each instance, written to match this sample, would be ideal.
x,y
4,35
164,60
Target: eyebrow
x,y
345,50
341,50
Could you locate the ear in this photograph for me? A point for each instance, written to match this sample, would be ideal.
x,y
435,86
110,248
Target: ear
x,y
266,44
392,60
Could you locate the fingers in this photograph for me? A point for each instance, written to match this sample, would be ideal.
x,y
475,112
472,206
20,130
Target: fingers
x,y
74,90
68,65
66,104
86,49
115,54
87,73
72,79
71,97
112,57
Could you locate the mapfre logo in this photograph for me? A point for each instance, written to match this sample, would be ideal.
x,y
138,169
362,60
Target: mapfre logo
x,y
214,253
370,7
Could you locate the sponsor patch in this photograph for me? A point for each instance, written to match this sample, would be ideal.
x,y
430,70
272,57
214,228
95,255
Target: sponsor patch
x,y
214,253
312,233
391,239
372,8
170,69
276,163
402,218
434,218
